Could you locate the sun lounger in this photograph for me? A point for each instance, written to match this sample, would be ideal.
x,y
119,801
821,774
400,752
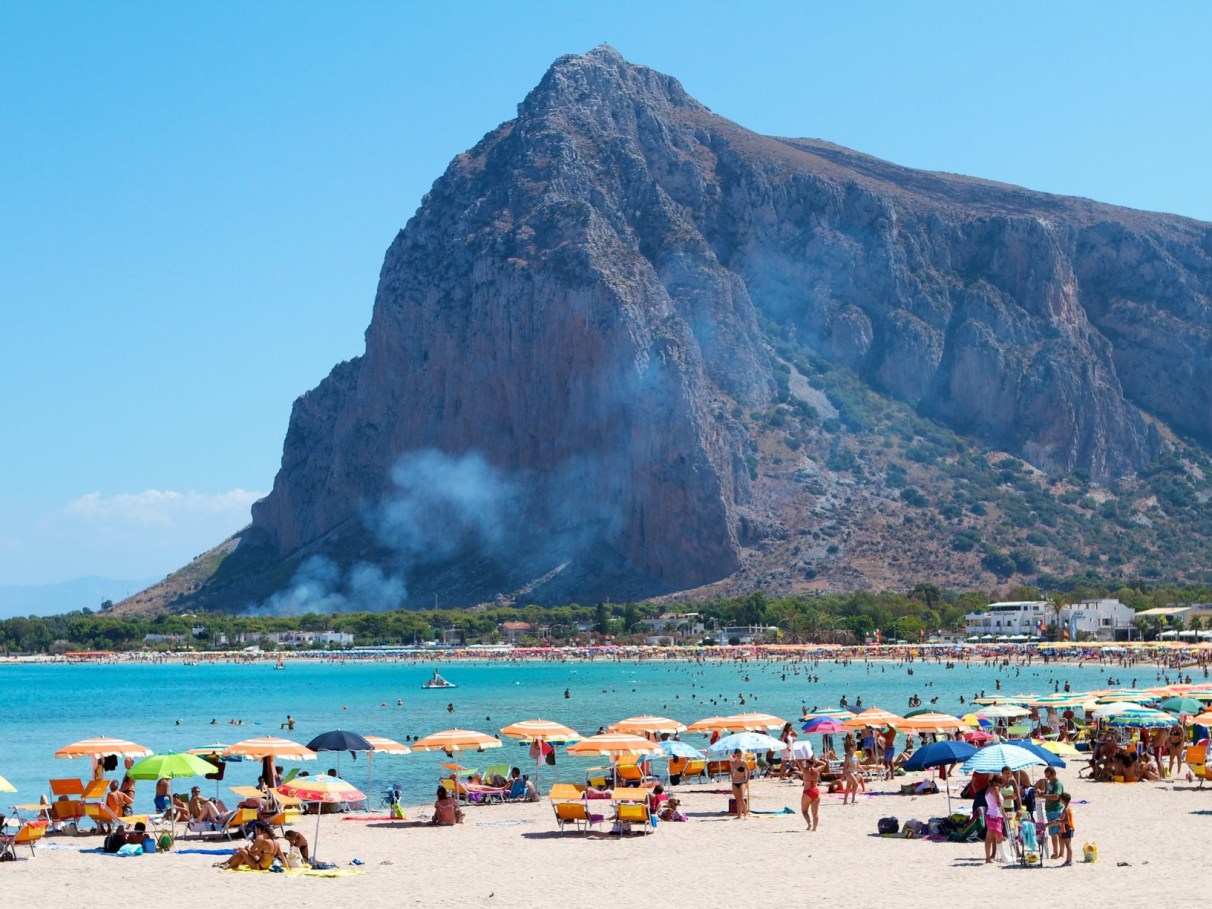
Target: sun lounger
x,y
28,834
67,812
694,769
232,826
567,802
68,787
472,795
630,808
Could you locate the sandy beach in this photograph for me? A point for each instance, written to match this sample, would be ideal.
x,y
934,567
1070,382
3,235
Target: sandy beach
x,y
513,855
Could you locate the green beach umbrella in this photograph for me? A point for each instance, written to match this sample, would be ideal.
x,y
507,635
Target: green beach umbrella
x,y
1181,705
172,764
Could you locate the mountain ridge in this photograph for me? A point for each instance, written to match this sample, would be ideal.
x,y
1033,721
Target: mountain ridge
x,y
580,339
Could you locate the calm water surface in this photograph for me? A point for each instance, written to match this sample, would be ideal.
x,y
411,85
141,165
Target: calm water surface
x,y
172,707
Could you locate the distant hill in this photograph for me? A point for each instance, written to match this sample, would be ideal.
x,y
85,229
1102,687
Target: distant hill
x,y
628,348
66,596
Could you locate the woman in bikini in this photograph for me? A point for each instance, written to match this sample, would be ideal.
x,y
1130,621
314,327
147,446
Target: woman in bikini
x,y
850,770
739,771
259,855
810,801
1174,747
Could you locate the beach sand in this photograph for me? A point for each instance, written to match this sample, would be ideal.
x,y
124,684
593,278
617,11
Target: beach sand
x,y
513,855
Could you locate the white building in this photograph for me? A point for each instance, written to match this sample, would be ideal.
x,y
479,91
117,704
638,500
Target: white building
x,y
1100,620
1026,618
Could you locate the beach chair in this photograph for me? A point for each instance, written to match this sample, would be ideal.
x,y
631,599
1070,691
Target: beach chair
x,y
631,775
232,826
28,834
570,808
1196,759
69,787
598,777
631,808
94,789
696,769
717,769
1030,834
67,813
501,770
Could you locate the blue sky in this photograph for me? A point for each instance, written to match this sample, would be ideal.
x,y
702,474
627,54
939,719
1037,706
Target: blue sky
x,y
195,198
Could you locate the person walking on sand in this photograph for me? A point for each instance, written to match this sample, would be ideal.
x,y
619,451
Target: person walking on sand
x,y
850,772
810,801
739,771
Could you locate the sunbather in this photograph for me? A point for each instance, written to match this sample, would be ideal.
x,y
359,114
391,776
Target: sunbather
x,y
259,854
446,811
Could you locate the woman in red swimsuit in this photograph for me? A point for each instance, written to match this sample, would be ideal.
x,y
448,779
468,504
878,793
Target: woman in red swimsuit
x,y
810,801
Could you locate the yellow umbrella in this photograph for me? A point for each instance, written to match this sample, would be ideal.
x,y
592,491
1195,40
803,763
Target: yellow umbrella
x,y
1060,749
642,724
452,740
6,786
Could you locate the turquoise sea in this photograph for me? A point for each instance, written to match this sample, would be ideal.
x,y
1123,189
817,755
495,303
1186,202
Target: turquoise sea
x,y
172,707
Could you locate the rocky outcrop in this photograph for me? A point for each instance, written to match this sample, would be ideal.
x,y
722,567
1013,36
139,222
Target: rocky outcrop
x,y
577,304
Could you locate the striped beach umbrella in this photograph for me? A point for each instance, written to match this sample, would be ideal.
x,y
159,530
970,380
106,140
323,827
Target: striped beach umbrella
x,y
638,725
614,743
102,747
452,740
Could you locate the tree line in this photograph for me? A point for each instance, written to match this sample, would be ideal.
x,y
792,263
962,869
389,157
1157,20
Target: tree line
x,y
843,618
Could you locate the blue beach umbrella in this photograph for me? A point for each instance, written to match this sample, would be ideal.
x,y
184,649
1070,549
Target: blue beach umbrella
x,y
1050,757
673,748
941,754
992,758
746,741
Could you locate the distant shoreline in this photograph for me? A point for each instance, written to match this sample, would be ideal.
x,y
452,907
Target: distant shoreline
x,y
1110,654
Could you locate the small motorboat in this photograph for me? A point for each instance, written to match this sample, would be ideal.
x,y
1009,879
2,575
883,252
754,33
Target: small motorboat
x,y
438,682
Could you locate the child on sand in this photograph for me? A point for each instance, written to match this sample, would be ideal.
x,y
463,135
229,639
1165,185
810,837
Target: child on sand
x,y
1066,829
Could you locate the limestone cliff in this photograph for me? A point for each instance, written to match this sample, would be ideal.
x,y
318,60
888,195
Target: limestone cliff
x,y
579,306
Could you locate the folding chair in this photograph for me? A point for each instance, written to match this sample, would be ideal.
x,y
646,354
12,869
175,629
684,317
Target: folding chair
x,y
29,834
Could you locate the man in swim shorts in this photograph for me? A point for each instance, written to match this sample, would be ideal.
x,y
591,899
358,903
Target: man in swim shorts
x,y
888,740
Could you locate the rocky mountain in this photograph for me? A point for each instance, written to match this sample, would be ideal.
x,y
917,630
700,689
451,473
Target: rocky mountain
x,y
587,344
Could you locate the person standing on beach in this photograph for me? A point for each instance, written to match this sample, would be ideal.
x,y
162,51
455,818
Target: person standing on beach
x,y
739,771
810,801
850,771
1053,808
1065,829
888,740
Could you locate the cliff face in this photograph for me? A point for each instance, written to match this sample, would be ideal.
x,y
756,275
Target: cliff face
x,y
577,304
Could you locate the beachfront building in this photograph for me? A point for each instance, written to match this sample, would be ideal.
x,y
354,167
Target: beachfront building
x,y
1097,620
513,632
748,634
671,627
1020,619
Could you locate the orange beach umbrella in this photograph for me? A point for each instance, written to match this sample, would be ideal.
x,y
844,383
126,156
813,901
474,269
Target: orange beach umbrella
x,y
638,725
541,731
452,740
874,716
930,722
270,746
101,747
614,743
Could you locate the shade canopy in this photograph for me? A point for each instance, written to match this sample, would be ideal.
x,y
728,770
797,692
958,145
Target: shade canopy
x,y
322,788
746,741
452,740
614,743
992,758
674,748
101,747
873,716
642,724
930,722
340,740
270,746
1003,711
940,754
171,765
824,725
383,745
542,731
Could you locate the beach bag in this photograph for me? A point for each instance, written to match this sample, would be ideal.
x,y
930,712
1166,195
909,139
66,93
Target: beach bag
x,y
114,842
397,811
1090,852
887,825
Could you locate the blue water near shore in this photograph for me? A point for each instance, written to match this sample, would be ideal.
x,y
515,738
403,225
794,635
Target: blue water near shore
x,y
172,707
